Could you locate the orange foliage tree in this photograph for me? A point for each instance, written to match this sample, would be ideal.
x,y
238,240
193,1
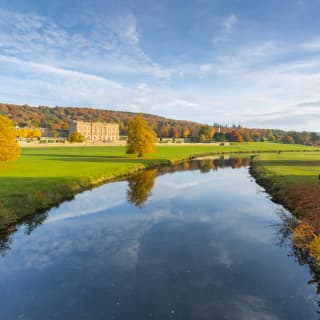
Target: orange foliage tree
x,y
141,138
9,149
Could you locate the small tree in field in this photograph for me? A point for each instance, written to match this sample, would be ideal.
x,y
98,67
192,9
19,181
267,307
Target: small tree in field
x,y
141,138
9,149
76,137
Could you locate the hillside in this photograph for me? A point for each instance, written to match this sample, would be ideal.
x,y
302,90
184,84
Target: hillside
x,y
58,118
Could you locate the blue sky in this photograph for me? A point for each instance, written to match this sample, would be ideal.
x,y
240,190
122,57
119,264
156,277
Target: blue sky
x,y
251,62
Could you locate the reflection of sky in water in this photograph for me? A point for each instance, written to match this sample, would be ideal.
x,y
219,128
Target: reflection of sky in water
x,y
202,247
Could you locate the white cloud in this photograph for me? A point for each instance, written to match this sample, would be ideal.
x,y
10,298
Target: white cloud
x,y
313,45
229,23
127,28
110,45
44,63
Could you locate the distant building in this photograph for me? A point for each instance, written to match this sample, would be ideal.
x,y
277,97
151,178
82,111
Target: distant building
x,y
95,131
49,133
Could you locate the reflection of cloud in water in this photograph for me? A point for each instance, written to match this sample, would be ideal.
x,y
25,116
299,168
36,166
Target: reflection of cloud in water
x,y
103,239
117,230
89,202
200,246
249,307
240,307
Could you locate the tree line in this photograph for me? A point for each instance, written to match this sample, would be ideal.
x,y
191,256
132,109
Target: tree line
x,y
58,118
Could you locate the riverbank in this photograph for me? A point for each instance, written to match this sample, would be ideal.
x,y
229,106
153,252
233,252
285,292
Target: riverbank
x,y
292,179
44,177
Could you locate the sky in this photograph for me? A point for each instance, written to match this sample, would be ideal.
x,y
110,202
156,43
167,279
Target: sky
x,y
249,62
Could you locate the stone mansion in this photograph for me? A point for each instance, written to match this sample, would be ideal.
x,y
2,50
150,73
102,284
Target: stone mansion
x,y
95,131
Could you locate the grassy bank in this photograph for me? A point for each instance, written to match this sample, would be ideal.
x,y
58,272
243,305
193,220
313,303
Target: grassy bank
x,y
293,180
43,177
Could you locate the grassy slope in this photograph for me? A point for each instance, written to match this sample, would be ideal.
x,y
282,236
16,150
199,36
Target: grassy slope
x,y
43,177
293,180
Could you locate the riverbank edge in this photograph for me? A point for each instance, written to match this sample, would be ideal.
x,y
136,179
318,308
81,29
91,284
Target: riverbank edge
x,y
53,198
277,190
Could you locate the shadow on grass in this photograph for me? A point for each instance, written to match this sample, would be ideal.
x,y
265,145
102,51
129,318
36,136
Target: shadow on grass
x,y
109,160
294,163
98,158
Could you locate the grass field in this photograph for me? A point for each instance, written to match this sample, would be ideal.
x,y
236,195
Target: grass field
x,y
293,180
43,177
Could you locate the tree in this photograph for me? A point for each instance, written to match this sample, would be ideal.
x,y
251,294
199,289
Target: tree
x,y
164,132
246,135
287,139
36,133
207,132
315,138
174,132
76,137
236,136
141,138
202,138
55,134
186,132
9,148
22,133
271,136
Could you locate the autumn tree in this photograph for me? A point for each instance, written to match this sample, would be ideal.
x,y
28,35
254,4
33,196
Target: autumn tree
x,y
76,137
246,135
236,136
164,132
206,132
37,133
271,136
287,139
186,132
174,132
141,138
9,149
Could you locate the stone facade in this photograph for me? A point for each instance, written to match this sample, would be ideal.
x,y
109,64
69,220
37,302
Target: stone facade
x,y
95,131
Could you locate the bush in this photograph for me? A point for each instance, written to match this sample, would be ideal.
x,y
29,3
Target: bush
x,y
76,137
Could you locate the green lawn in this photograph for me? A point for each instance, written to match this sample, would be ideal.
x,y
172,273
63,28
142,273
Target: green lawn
x,y
44,176
293,180
293,168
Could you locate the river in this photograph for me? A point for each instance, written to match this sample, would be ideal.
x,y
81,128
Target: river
x,y
200,240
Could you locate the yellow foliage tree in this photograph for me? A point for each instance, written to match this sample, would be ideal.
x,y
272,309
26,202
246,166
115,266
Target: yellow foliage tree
x,y
186,132
141,138
9,148
22,133
36,133
76,137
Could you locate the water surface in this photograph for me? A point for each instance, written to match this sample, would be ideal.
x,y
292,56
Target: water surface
x,y
198,241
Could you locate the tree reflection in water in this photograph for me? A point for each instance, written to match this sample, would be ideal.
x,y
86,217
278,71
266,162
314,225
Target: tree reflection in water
x,y
140,187
30,224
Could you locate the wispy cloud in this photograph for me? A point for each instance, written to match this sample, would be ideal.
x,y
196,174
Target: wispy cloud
x,y
112,48
226,27
229,23
103,57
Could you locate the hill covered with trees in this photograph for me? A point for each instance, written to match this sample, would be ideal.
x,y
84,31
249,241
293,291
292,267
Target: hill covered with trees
x,y
58,118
